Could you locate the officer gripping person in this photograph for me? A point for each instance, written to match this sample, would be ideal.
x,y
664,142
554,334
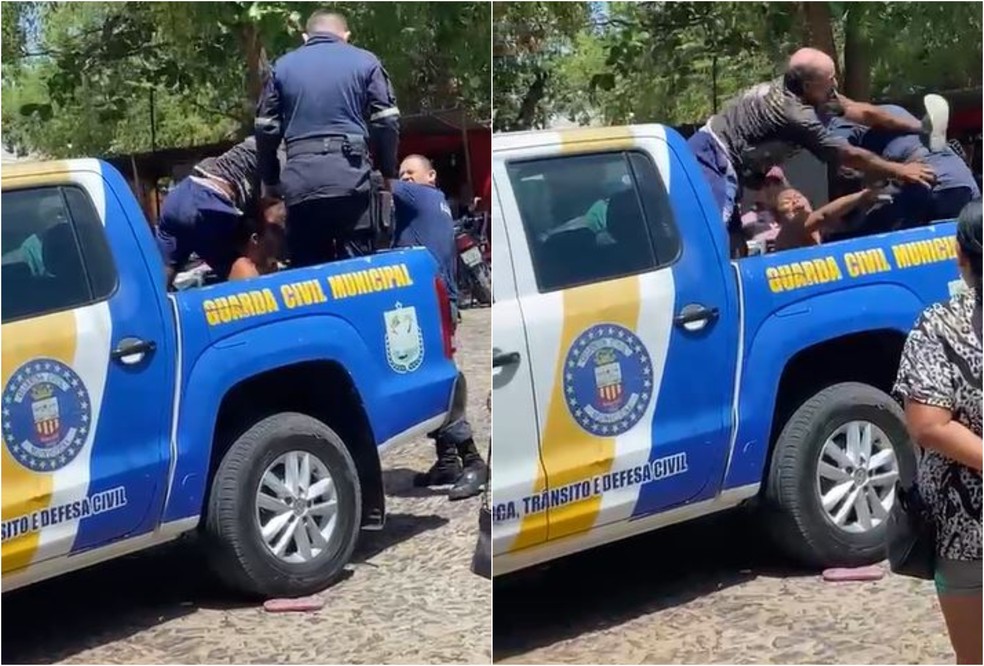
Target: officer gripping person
x,y
423,218
911,205
327,100
215,213
765,124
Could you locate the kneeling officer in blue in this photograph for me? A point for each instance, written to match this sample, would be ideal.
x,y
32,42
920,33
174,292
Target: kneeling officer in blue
x,y
215,213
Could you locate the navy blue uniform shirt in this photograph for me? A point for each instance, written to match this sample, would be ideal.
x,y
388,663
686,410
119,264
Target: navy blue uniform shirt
x,y
423,218
327,88
197,219
951,170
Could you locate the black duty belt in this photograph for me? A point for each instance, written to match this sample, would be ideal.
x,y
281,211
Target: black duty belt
x,y
324,145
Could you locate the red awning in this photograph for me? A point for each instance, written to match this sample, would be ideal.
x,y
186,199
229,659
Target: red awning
x,y
966,120
433,145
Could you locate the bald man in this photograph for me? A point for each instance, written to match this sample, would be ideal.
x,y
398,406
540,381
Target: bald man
x,y
423,218
766,124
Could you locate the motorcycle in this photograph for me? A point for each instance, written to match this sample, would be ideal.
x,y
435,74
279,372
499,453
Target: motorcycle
x,y
474,271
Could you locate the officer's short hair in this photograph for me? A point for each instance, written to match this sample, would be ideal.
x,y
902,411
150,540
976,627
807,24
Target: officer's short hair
x,y
324,20
423,160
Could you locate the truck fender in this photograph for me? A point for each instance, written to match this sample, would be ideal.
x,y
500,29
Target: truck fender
x,y
789,331
219,368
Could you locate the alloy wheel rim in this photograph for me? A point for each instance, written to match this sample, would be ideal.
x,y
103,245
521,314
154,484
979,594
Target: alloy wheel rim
x,y
296,507
855,478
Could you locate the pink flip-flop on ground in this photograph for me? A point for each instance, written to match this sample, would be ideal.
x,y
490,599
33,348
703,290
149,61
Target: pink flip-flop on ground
x,y
840,574
300,605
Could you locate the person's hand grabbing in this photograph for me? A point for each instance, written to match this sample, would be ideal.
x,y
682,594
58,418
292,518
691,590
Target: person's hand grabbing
x,y
917,173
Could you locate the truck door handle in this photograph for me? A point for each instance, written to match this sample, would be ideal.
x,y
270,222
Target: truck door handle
x,y
131,351
509,358
694,317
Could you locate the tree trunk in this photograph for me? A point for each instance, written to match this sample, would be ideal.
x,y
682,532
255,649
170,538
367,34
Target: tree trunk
x,y
818,30
857,65
531,101
256,67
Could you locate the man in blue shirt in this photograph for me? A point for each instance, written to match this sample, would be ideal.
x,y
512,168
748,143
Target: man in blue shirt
x,y
423,218
913,204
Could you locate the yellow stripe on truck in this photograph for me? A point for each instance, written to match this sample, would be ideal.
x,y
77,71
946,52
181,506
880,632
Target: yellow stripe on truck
x,y
595,139
25,491
570,453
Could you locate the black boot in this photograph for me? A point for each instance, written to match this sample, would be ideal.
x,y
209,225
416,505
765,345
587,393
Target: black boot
x,y
445,471
475,474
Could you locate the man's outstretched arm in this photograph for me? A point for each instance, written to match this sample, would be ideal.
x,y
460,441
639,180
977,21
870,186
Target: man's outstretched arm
x,y
877,117
809,132
913,173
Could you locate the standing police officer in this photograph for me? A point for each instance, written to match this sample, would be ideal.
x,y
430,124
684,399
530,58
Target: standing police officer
x,y
327,100
423,218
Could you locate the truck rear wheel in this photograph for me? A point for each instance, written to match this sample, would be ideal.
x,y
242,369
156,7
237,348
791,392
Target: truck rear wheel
x,y
284,508
832,477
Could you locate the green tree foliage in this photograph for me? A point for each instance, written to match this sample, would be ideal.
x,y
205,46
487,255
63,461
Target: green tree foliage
x,y
85,86
531,42
676,62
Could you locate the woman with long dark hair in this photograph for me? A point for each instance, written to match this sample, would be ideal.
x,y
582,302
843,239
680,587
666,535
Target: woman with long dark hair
x,y
940,382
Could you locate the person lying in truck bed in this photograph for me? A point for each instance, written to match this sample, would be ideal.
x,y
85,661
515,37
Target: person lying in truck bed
x,y
801,226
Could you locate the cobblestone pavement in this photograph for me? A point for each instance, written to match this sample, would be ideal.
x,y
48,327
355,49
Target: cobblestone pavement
x,y
710,592
409,596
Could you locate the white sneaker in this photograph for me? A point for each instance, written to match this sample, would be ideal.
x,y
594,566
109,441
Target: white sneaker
x,y
935,121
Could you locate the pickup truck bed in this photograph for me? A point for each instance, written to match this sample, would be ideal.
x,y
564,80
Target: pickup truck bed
x,y
296,316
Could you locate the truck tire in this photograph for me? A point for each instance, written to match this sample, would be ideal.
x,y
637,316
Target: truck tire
x,y
253,490
804,475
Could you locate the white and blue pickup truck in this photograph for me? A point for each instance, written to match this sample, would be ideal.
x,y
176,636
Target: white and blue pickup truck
x,y
642,378
251,412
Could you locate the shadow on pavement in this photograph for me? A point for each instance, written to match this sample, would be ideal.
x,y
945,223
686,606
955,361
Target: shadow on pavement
x,y
399,527
58,618
398,482
608,586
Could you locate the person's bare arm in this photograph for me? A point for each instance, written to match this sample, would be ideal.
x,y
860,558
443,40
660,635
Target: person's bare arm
x,y
915,173
579,222
834,211
877,118
934,428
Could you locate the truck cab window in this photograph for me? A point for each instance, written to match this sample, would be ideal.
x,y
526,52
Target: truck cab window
x,y
594,217
48,233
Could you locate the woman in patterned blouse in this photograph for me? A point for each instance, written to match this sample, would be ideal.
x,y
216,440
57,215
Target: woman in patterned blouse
x,y
940,381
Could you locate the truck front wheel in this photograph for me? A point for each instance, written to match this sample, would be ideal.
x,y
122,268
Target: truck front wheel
x,y
284,508
832,477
